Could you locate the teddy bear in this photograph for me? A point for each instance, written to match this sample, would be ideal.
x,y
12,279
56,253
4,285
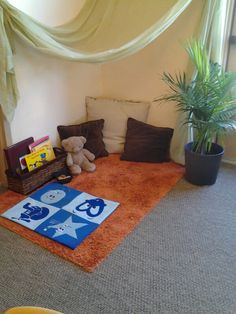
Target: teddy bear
x,y
78,158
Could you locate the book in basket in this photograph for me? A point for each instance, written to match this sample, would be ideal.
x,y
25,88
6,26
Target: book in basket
x,y
37,158
43,142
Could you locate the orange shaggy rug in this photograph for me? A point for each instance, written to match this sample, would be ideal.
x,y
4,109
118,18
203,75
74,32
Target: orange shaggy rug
x,y
136,186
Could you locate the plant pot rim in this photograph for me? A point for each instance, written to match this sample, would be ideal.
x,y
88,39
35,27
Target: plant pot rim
x,y
187,147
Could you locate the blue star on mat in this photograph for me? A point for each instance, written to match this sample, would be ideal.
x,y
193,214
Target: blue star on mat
x,y
67,227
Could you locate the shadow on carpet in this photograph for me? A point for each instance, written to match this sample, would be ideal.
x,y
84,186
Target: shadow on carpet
x,y
138,187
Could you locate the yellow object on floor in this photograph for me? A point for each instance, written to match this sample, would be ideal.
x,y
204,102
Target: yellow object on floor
x,y
30,310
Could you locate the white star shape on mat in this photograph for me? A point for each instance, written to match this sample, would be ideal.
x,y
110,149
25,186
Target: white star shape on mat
x,y
67,227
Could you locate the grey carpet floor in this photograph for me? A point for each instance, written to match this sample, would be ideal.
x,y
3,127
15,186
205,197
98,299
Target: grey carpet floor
x,y
180,259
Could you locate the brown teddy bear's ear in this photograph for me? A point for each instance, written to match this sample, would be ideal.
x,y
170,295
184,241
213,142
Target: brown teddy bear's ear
x,y
83,139
63,143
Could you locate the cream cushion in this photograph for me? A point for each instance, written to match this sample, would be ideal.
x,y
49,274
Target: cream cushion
x,y
115,112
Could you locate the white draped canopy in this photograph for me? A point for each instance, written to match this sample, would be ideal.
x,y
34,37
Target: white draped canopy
x,y
104,30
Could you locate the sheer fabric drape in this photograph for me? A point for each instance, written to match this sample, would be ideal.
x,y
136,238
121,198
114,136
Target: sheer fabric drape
x,y
104,30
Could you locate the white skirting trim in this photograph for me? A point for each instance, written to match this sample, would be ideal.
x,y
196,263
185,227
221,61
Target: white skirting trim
x,y
228,161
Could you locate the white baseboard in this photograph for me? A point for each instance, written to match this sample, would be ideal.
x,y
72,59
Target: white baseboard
x,y
228,161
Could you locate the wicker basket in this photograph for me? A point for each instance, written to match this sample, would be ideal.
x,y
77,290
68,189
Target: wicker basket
x,y
26,182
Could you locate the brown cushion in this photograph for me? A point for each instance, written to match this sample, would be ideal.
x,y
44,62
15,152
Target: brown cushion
x,y
91,130
145,142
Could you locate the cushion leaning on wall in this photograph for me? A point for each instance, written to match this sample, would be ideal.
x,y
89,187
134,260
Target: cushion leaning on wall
x,y
115,112
147,143
91,130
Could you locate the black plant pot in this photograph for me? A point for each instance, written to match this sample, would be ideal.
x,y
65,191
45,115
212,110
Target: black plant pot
x,y
202,169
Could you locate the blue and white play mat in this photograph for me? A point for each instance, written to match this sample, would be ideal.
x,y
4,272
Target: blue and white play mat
x,y
61,213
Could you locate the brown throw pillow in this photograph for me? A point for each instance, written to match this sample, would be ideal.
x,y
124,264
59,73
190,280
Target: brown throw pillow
x,y
147,143
91,130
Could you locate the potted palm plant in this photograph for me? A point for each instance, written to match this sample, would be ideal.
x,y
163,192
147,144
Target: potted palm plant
x,y
209,108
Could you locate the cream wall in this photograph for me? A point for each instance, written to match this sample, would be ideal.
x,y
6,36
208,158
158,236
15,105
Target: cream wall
x,y
52,12
52,90
139,76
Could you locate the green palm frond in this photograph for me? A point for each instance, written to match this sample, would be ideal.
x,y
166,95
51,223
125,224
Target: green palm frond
x,y
199,58
206,100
